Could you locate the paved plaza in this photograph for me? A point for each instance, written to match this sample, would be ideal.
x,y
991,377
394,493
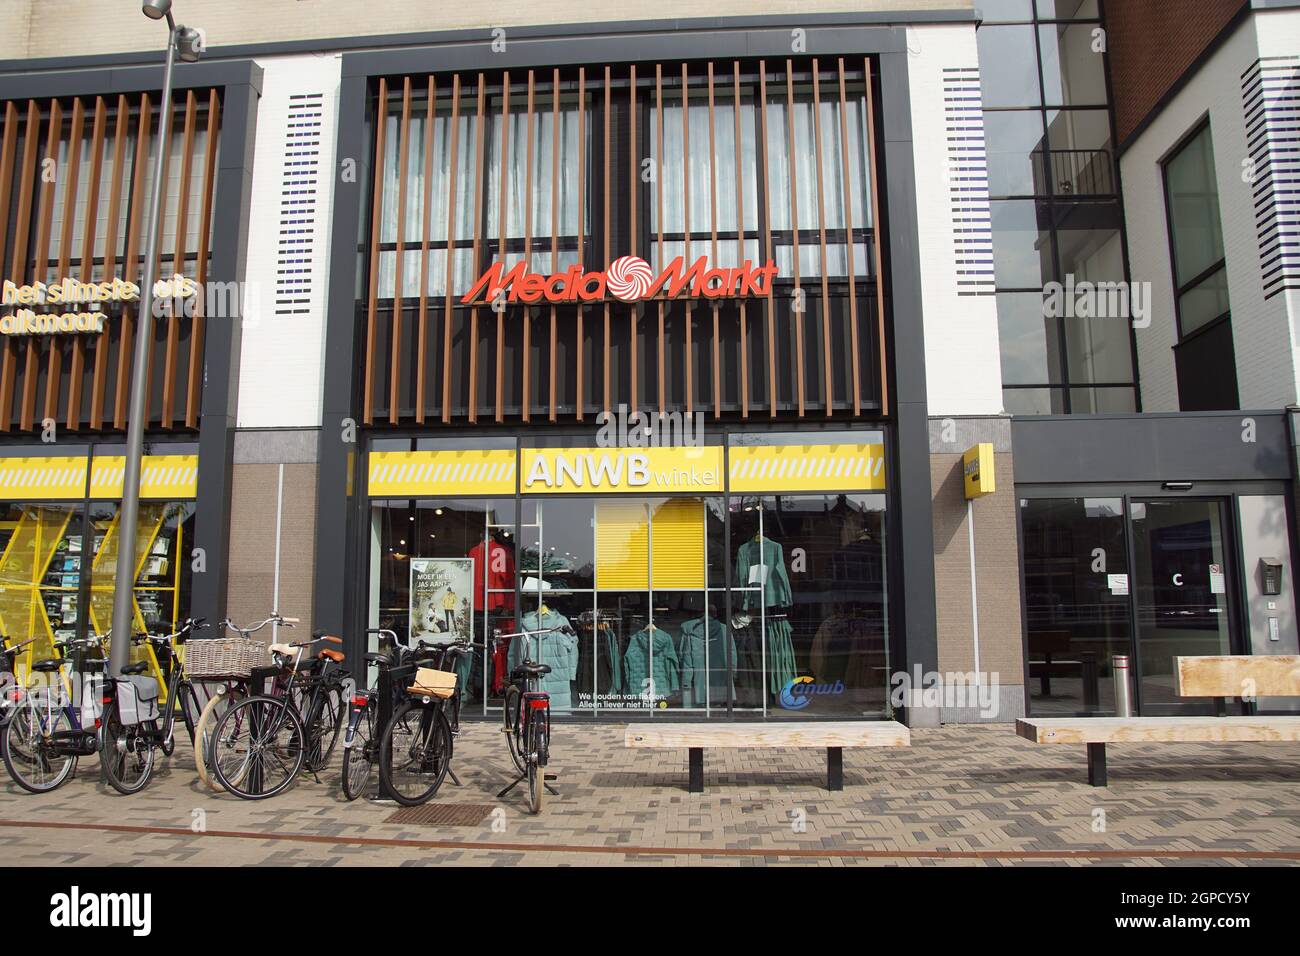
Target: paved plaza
x,y
961,795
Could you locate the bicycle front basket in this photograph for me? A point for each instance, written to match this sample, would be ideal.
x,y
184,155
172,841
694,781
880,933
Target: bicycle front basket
x,y
434,683
223,657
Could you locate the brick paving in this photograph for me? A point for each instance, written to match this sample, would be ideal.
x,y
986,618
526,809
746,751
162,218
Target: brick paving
x,y
959,796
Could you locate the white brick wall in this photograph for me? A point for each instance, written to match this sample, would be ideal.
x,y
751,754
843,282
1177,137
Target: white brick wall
x,y
282,366
1263,337
963,364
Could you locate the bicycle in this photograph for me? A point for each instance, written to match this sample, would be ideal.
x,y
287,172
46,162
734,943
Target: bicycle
x,y
360,744
13,691
128,737
528,723
45,734
416,748
262,743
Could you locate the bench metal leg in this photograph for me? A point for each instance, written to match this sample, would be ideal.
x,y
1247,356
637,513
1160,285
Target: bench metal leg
x,y
1097,765
834,768
695,776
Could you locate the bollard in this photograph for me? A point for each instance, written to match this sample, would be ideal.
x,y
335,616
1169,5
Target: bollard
x,y
1123,694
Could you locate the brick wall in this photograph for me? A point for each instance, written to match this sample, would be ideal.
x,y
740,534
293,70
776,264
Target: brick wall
x,y
1151,44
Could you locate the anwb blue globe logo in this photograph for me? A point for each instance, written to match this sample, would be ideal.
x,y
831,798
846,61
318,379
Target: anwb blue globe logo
x,y
799,692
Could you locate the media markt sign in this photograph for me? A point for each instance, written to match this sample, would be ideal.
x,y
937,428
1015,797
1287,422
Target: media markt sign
x,y
629,279
93,296
630,470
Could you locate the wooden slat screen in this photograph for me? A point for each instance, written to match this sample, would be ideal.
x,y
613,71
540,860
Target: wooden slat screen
x,y
74,177
732,160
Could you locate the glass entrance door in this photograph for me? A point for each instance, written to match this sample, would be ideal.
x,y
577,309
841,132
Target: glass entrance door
x,y
1180,570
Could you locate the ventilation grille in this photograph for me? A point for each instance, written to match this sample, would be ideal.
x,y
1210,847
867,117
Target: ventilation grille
x,y
1270,92
298,196
968,180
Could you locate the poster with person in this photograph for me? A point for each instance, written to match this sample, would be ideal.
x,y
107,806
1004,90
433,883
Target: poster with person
x,y
441,590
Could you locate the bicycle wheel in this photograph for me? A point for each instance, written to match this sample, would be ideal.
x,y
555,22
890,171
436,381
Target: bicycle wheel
x,y
538,740
359,755
324,725
414,754
27,747
258,748
220,702
513,710
126,758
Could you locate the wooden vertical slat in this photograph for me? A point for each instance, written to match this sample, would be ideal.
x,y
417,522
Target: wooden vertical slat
x,y
875,237
422,332
178,258
659,207
713,240
54,367
144,134
740,242
634,186
848,249
827,383
194,386
453,137
555,213
395,343
476,266
99,380
767,240
9,360
797,316
526,405
580,350
44,224
376,217
501,238
77,367
609,174
686,229
166,112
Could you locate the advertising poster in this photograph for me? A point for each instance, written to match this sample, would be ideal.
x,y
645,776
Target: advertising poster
x,y
441,589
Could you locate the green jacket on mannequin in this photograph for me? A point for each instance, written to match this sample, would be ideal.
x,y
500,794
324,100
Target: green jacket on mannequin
x,y
761,560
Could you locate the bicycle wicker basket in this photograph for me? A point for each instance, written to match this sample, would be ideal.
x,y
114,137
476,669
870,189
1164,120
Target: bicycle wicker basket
x,y
224,657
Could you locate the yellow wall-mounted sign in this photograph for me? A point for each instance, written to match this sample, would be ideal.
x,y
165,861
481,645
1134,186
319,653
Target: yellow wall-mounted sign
x,y
161,476
412,474
792,468
977,470
42,479
645,471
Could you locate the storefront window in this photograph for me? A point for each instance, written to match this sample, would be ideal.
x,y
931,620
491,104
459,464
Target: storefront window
x,y
40,576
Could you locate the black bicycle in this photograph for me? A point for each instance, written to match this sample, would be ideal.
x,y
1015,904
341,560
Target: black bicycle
x,y
131,727
361,743
528,722
416,747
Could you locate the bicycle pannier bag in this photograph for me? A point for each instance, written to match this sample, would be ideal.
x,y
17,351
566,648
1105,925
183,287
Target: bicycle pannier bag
x,y
434,683
137,699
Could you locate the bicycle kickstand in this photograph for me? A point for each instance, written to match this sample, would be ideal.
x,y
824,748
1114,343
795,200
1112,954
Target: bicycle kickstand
x,y
523,776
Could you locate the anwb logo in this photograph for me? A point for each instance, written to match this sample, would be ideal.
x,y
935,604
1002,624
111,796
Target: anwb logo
x,y
799,692
75,909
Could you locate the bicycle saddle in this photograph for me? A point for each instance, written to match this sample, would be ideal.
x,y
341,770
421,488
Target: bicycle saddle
x,y
286,649
47,666
137,668
335,656
531,670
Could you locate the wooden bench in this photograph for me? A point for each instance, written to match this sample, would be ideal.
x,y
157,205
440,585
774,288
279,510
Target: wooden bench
x,y
1218,677
694,738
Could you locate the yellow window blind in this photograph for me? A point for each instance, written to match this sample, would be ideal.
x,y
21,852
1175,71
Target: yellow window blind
x,y
677,544
622,546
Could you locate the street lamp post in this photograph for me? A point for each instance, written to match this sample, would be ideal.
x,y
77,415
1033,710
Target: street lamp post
x,y
185,42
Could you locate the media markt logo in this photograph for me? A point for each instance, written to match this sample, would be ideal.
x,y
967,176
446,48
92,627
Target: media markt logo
x,y
628,278
799,692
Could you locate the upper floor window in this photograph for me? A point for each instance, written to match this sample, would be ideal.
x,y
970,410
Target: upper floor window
x,y
1196,234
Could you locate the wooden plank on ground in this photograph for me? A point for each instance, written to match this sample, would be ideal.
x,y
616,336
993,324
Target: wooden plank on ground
x,y
884,733
1241,675
1155,730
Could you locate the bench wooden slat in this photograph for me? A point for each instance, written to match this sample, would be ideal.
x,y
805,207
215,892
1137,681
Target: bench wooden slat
x,y
885,733
1238,675
1113,730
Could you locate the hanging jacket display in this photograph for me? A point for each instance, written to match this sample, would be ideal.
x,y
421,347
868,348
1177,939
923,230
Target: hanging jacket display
x,y
761,561
780,654
600,665
500,575
651,647
706,650
557,650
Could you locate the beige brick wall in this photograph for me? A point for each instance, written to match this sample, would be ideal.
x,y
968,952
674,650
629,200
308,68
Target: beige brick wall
x,y
250,594
44,29
997,563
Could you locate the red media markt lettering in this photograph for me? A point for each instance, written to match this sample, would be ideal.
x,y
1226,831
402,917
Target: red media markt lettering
x,y
629,278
